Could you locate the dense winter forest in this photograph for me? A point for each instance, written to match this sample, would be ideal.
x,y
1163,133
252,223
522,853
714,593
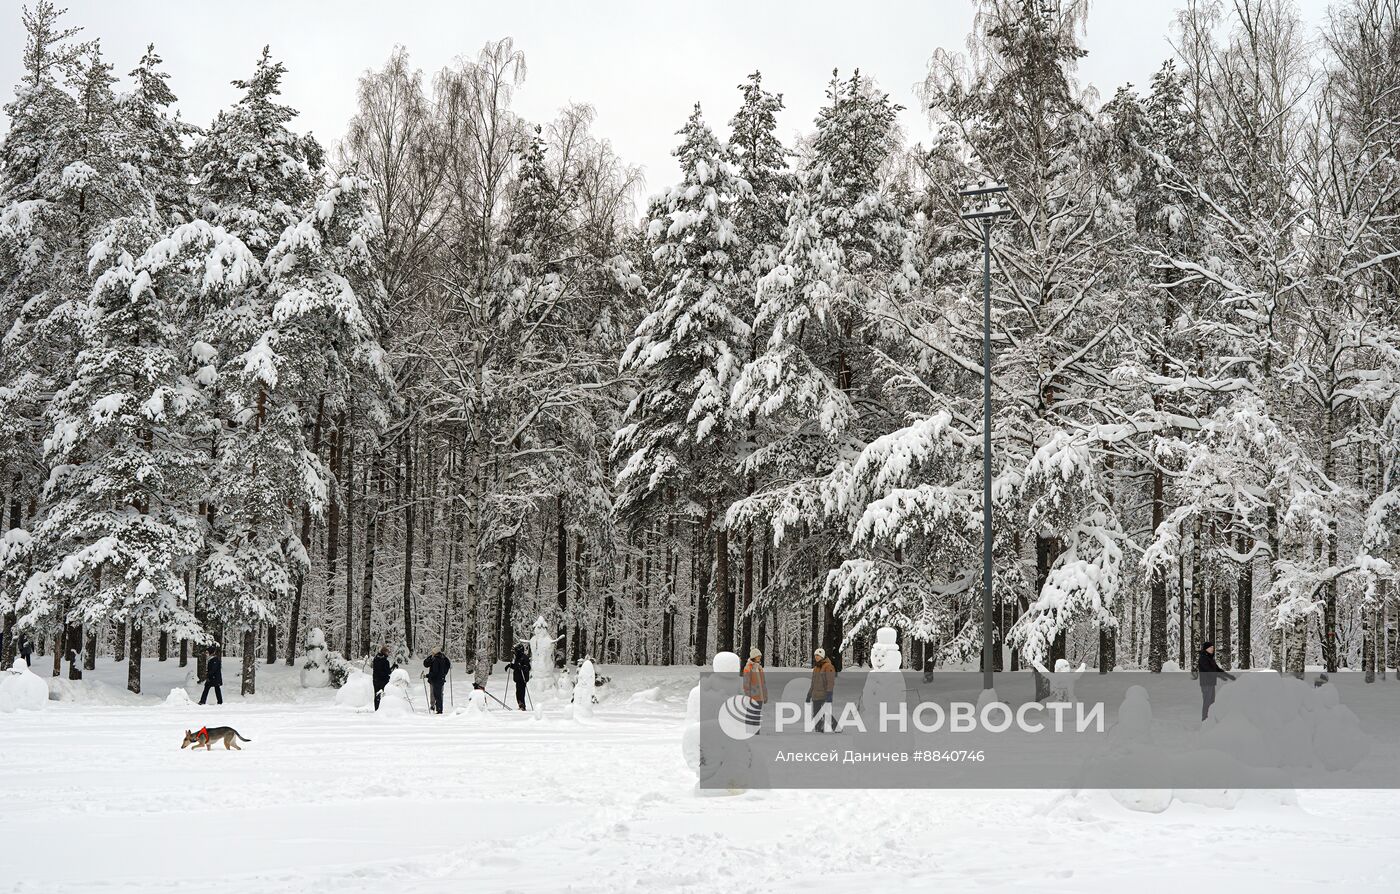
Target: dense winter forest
x,y
456,371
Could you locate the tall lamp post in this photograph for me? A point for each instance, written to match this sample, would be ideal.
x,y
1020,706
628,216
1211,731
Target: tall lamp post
x,y
983,205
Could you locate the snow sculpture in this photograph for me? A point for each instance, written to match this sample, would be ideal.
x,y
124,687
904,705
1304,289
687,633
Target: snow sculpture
x,y
315,664
476,704
22,690
542,684
357,691
1061,681
884,685
725,761
1134,718
178,698
395,700
583,691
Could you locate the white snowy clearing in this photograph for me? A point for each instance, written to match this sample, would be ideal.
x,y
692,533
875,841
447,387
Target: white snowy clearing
x,y
99,797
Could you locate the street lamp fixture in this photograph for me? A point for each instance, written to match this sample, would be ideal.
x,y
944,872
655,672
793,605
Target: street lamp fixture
x,y
983,204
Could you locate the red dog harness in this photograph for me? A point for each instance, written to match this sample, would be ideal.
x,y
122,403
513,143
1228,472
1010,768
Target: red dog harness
x,y
203,733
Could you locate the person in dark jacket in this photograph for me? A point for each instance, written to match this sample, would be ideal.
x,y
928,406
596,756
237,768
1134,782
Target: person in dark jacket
x,y
26,649
438,665
382,669
213,676
519,668
1210,673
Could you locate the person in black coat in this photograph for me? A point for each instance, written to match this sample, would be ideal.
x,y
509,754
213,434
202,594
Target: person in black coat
x,y
26,649
519,668
382,669
213,677
438,666
1210,673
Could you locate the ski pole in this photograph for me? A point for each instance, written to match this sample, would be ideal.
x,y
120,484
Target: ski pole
x,y
451,696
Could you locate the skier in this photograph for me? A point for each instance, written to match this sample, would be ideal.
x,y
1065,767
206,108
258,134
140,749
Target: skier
x,y
823,688
519,668
1210,674
213,676
755,687
26,649
382,670
438,666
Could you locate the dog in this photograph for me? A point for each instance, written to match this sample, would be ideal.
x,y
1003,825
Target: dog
x,y
207,736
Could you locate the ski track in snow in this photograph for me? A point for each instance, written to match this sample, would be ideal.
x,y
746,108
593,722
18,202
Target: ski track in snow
x,y
99,798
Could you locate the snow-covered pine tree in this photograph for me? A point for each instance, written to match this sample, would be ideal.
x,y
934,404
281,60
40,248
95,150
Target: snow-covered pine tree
x,y
126,472
846,260
678,435
255,185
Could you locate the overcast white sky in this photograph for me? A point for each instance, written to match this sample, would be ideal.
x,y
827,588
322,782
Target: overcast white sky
x,y
640,63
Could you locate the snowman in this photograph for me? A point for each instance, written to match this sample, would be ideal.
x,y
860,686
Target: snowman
x,y
395,699
476,704
583,691
884,685
724,762
22,689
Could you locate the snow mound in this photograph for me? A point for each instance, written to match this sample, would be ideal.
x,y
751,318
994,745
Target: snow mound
x,y
22,689
1272,720
651,695
178,698
357,693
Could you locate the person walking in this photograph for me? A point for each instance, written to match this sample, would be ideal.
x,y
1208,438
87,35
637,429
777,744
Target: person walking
x,y
823,688
382,669
756,688
213,676
438,665
1210,673
519,668
26,649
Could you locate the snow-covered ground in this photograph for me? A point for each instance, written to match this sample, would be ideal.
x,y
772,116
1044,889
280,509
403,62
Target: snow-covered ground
x,y
97,796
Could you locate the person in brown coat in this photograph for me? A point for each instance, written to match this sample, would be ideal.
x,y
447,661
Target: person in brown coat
x,y
755,687
823,687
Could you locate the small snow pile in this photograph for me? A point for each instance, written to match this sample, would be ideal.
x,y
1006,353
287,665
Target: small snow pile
x,y
1171,667
651,695
394,702
1271,720
178,698
583,692
358,691
1134,718
315,664
22,689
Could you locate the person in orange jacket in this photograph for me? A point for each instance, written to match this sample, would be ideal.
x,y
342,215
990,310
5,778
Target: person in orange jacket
x,y
755,687
823,687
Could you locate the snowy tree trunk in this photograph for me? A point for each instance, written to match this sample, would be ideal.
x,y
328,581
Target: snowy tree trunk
x,y
295,621
1244,604
702,593
249,660
410,529
163,646
1329,607
371,549
133,668
1368,642
1197,601
724,601
119,642
90,650
747,639
349,545
333,514
561,569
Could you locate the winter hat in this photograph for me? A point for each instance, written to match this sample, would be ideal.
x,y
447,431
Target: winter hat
x,y
820,653
755,653
1206,645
